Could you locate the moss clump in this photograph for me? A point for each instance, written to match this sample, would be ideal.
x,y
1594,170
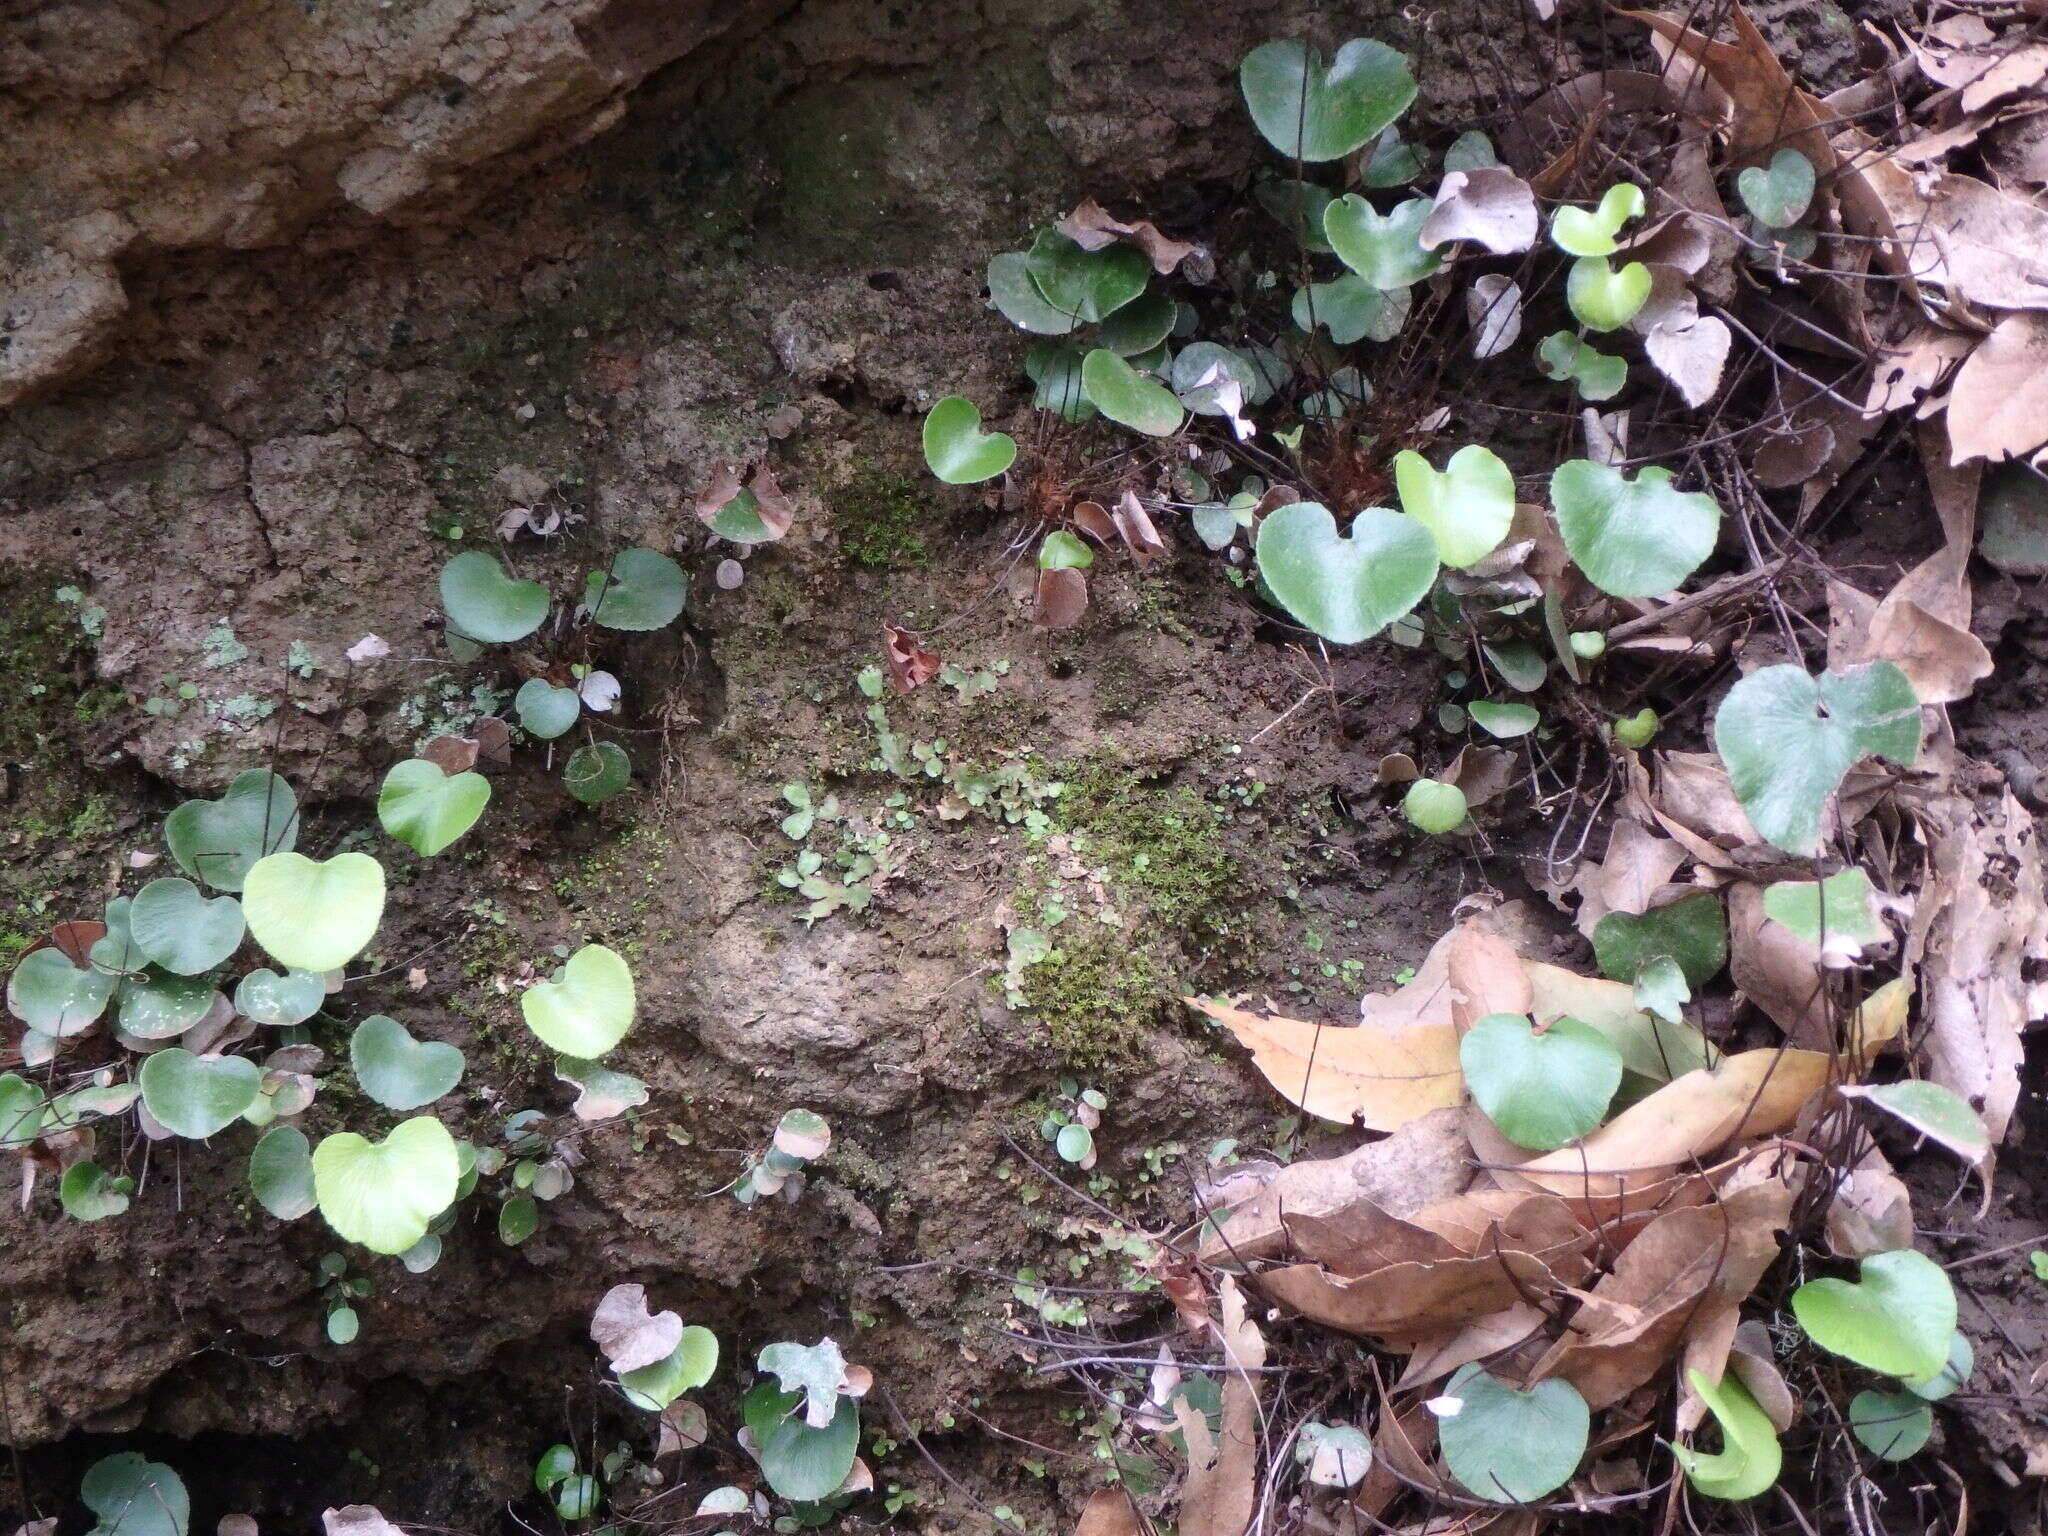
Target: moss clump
x,y
1096,996
876,514
1163,846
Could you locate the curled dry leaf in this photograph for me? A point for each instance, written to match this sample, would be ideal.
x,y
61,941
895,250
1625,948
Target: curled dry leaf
x,y
369,648
1109,1512
1684,1264
684,1427
1092,228
909,664
1379,1075
1870,1211
1778,971
1220,1491
1093,520
1490,206
723,486
1630,1163
1493,308
357,1520
629,1336
1998,406
451,754
1409,1281
1134,526
1424,1161
1979,925
1985,246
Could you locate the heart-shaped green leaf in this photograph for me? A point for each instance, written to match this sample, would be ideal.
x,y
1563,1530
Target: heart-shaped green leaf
x,y
383,1194
1788,738
51,995
427,809
1012,291
1595,375
1778,194
1064,551
1603,299
215,841
1194,362
1750,1457
1938,1113
398,1071
280,1001
21,1110
183,931
1089,285
1897,1319
1508,1446
1837,916
1505,721
89,1194
314,916
588,1006
1434,806
1543,1089
597,772
1891,1425
195,1096
1139,326
544,710
1129,398
134,1496
1351,309
1346,588
1055,368
688,1366
1309,111
805,1464
641,590
1384,249
281,1172
1632,538
486,604
1578,232
1467,505
156,1005
1692,930
956,448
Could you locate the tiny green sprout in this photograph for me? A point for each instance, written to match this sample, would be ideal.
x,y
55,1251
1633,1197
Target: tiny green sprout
x,y
956,448
1596,375
1577,232
1636,731
1434,806
1588,644
2037,1260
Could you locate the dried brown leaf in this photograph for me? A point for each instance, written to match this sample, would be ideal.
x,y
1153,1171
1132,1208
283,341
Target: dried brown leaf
x,y
1998,406
1062,598
1221,1489
1135,527
909,664
1490,206
1109,1512
1684,1263
1743,1096
1424,1160
629,1336
1091,227
1979,922
1378,1074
